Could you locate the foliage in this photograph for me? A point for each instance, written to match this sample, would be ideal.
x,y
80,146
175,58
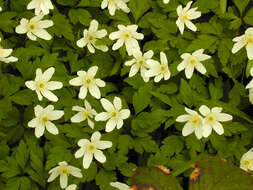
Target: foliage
x,y
150,136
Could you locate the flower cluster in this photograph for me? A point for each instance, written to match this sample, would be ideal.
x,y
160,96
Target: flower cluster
x,y
126,36
203,126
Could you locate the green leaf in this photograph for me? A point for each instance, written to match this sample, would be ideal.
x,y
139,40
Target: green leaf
x,y
203,41
154,177
186,92
141,99
146,144
241,5
249,16
9,168
22,154
6,21
62,27
67,2
249,66
80,15
224,50
216,173
147,122
89,3
138,8
223,5
104,178
216,89
23,97
172,145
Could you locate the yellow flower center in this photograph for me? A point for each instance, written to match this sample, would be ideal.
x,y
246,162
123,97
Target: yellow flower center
x,y
90,37
194,121
211,118
32,26
86,114
141,62
192,62
1,51
126,35
41,85
247,162
249,39
64,170
112,1
91,147
88,81
114,114
44,119
185,17
163,68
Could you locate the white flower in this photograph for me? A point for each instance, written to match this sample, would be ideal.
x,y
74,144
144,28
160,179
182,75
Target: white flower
x,y
114,114
1,9
90,37
64,170
212,120
93,147
185,15
113,5
159,70
4,55
35,28
140,63
83,114
42,86
191,61
40,6
251,95
87,82
246,162
71,187
43,118
244,40
250,84
194,123
166,1
120,186
127,35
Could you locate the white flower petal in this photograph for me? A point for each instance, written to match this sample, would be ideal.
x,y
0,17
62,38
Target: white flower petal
x,y
204,110
124,113
103,116
183,118
218,128
77,118
224,117
63,180
95,92
187,130
87,159
51,128
49,95
107,105
117,103
99,156
76,172
39,131
95,137
104,144
79,153
54,85
83,92
110,125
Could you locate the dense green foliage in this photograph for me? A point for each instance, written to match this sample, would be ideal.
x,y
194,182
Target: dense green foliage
x,y
151,136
